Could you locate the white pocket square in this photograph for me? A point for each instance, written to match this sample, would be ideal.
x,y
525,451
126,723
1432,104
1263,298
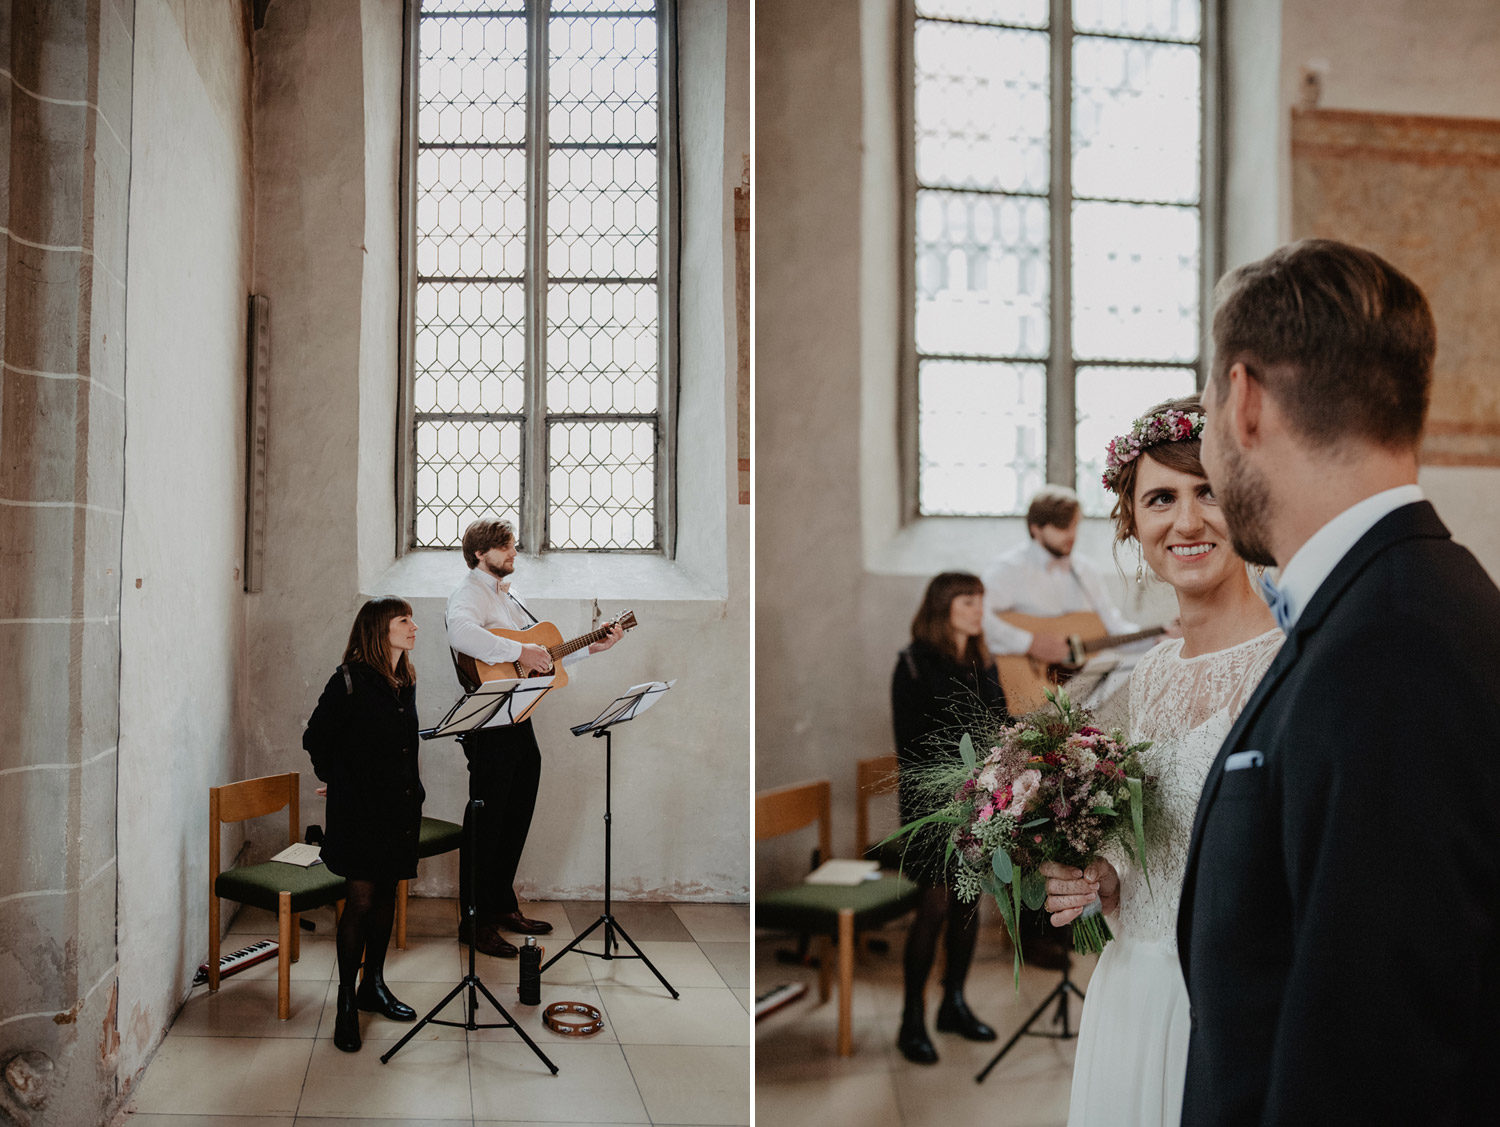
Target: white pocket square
x,y
1243,760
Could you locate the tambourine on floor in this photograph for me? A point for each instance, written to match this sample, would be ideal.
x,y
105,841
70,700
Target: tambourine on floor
x,y
573,1019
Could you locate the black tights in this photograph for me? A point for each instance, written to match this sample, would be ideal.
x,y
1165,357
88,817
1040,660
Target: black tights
x,y
939,905
365,929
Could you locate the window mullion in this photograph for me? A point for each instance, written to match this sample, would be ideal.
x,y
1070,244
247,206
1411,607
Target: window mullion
x,y
1062,411
534,487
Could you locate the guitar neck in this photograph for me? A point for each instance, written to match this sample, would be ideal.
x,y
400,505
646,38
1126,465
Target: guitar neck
x,y
1094,645
573,646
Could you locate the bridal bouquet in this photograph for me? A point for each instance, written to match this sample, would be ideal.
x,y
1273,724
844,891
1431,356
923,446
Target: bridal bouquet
x,y
1052,788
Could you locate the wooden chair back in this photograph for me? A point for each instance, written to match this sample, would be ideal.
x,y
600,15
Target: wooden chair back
x,y
873,776
785,809
252,798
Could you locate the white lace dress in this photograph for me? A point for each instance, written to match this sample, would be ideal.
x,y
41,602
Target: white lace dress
x,y
1133,1036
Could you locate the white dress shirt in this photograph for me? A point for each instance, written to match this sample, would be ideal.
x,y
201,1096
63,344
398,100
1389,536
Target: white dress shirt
x,y
1031,580
1315,560
480,602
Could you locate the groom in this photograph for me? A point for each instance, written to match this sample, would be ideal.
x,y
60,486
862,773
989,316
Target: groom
x,y
1340,920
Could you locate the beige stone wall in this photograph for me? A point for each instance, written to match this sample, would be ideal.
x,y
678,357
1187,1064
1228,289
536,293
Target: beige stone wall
x,y
65,112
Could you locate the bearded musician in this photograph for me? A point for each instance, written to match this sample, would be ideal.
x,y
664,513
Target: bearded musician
x,y
505,764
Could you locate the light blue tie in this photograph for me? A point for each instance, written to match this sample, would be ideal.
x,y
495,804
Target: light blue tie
x,y
1277,601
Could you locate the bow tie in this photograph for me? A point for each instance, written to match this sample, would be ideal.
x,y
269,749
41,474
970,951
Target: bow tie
x,y
1277,601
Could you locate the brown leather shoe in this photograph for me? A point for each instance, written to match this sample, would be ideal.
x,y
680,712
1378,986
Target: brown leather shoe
x,y
514,921
488,941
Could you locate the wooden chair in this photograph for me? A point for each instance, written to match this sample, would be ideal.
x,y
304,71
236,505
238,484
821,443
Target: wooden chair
x,y
833,911
287,890
873,777
436,836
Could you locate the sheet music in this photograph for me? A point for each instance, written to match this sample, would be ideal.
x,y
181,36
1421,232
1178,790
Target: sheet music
x,y
627,706
467,712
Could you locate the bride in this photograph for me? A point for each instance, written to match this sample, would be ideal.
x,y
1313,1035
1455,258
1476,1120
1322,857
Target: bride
x,y
1184,696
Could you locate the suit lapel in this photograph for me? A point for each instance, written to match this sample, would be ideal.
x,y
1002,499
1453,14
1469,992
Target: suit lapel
x,y
1408,522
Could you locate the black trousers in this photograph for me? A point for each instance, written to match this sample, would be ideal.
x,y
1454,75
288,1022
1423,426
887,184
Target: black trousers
x,y
505,768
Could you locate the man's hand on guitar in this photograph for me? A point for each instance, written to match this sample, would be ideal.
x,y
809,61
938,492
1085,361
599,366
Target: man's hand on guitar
x,y
616,632
534,659
1051,649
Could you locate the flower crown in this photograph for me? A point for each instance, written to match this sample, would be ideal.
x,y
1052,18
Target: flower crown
x,y
1170,425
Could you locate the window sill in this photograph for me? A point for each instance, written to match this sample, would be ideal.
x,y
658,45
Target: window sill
x,y
615,577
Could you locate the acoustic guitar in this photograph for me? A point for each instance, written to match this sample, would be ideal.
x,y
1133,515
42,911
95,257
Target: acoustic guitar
x,y
1024,679
550,638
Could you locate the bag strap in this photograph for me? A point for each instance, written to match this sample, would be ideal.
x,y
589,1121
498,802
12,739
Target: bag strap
x,y
348,680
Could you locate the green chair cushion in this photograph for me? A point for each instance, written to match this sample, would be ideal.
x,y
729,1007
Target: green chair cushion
x,y
261,885
438,836
815,908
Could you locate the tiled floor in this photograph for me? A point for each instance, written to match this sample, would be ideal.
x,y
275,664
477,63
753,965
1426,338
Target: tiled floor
x,y
228,1062
800,1079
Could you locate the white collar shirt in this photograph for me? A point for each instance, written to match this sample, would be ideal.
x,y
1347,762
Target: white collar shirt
x,y
1315,560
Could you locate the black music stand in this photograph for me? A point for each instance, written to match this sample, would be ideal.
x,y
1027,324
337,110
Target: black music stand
x,y
622,709
494,703
1059,995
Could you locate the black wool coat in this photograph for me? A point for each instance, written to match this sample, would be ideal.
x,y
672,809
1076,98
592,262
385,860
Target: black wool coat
x,y
363,741
934,701
1340,921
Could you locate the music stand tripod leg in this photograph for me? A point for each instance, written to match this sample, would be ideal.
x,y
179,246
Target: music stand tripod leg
x,y
471,981
613,932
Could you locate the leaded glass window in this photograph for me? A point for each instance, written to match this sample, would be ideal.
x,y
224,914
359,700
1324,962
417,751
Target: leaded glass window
x,y
539,283
1058,287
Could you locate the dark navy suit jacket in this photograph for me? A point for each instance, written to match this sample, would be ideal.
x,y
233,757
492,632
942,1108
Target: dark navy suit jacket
x,y
1340,921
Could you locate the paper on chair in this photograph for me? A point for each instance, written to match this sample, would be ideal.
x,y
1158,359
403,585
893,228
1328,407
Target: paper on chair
x,y
301,853
843,872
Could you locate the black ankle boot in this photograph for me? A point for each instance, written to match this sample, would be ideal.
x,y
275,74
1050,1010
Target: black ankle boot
x,y
376,998
913,1041
954,1016
346,1022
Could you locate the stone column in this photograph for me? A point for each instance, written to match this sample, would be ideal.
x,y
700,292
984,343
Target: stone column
x,y
65,108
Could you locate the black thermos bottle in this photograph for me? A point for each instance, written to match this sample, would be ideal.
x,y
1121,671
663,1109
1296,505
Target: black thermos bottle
x,y
531,973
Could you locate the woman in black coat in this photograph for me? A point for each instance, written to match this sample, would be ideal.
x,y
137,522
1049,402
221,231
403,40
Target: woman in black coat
x,y
363,740
944,680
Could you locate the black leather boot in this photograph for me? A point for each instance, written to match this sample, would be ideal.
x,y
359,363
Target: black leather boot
x,y
376,998
954,1016
913,1041
346,1022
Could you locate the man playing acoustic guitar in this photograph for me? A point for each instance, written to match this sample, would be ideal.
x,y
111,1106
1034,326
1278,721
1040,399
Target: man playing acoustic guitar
x,y
505,765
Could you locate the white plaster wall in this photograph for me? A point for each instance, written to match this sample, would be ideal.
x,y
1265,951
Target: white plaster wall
x,y
182,630
380,287
324,207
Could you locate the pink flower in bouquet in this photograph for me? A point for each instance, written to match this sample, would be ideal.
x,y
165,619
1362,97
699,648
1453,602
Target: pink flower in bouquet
x,y
987,811
1023,790
989,778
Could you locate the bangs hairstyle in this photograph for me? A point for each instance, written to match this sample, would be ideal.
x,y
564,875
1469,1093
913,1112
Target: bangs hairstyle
x,y
1185,456
933,623
1342,339
484,534
370,640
